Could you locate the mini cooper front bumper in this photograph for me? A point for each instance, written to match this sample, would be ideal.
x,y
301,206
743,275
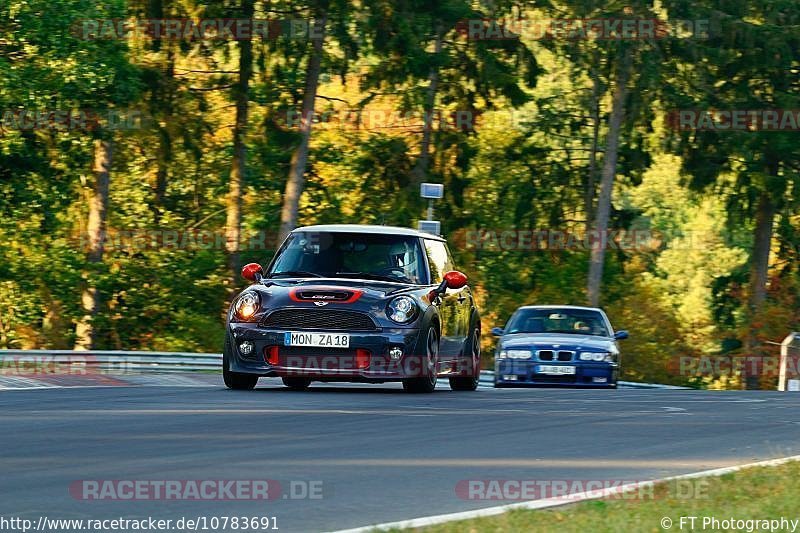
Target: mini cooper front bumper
x,y
389,354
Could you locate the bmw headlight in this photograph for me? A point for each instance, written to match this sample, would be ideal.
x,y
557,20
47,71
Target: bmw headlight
x,y
402,309
247,305
514,354
596,356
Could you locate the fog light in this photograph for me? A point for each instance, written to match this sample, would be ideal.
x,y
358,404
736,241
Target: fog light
x,y
271,355
396,353
362,358
246,348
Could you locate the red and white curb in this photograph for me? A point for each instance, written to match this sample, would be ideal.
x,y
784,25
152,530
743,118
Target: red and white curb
x,y
20,383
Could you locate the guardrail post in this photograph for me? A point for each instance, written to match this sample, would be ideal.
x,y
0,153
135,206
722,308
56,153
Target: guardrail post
x,y
785,346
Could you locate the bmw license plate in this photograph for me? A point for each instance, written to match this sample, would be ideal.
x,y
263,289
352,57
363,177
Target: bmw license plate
x,y
553,369
317,340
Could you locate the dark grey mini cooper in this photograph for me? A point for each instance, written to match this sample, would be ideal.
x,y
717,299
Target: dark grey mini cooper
x,y
355,303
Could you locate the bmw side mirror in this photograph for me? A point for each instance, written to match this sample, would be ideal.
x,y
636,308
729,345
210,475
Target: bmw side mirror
x,y
497,332
252,272
621,335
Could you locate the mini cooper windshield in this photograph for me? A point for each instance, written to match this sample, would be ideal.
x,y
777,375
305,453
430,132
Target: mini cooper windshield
x,y
396,258
575,321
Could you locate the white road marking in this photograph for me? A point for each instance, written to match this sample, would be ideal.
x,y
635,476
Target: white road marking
x,y
556,502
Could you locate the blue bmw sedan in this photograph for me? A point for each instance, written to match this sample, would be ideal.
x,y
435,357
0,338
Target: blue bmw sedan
x,y
557,345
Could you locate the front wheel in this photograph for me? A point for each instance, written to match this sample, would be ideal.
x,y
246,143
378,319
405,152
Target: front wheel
x,y
427,382
473,348
235,380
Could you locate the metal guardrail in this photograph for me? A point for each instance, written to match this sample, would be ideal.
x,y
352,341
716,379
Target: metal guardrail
x,y
120,361
40,361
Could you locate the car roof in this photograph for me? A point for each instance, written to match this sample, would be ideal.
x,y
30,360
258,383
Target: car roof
x,y
579,307
366,228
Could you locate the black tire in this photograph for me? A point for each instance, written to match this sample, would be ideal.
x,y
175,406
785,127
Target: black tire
x,y
473,347
426,383
297,383
235,380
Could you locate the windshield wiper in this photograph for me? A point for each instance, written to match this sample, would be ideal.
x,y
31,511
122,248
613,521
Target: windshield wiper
x,y
367,275
296,274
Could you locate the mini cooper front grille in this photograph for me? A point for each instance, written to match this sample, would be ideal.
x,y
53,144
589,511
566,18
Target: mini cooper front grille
x,y
324,319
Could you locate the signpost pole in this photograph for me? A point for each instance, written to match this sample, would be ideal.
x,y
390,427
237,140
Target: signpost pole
x,y
785,345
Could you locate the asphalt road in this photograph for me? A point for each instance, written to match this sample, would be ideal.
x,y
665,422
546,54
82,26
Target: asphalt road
x,y
379,454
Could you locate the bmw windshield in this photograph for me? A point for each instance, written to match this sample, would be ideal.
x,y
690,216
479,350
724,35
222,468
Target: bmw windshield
x,y
573,321
394,258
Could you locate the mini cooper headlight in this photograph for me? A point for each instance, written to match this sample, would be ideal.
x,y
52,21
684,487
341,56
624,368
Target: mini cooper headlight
x,y
247,305
402,309
596,356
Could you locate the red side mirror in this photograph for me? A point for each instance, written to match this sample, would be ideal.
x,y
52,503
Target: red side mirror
x,y
455,279
252,272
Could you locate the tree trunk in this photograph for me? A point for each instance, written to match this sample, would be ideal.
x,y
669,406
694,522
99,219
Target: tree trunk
x,y
759,269
297,171
423,161
165,96
241,91
607,179
96,237
588,199
759,266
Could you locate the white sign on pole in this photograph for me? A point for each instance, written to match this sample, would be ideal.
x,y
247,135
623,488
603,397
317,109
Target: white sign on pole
x,y
431,190
434,227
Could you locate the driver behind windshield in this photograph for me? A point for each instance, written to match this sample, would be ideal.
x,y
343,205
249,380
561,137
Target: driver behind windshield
x,y
389,257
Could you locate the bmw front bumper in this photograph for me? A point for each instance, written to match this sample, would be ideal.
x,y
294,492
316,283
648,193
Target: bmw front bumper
x,y
510,373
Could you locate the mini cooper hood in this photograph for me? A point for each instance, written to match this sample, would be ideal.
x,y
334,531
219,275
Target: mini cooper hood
x,y
562,340
376,289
